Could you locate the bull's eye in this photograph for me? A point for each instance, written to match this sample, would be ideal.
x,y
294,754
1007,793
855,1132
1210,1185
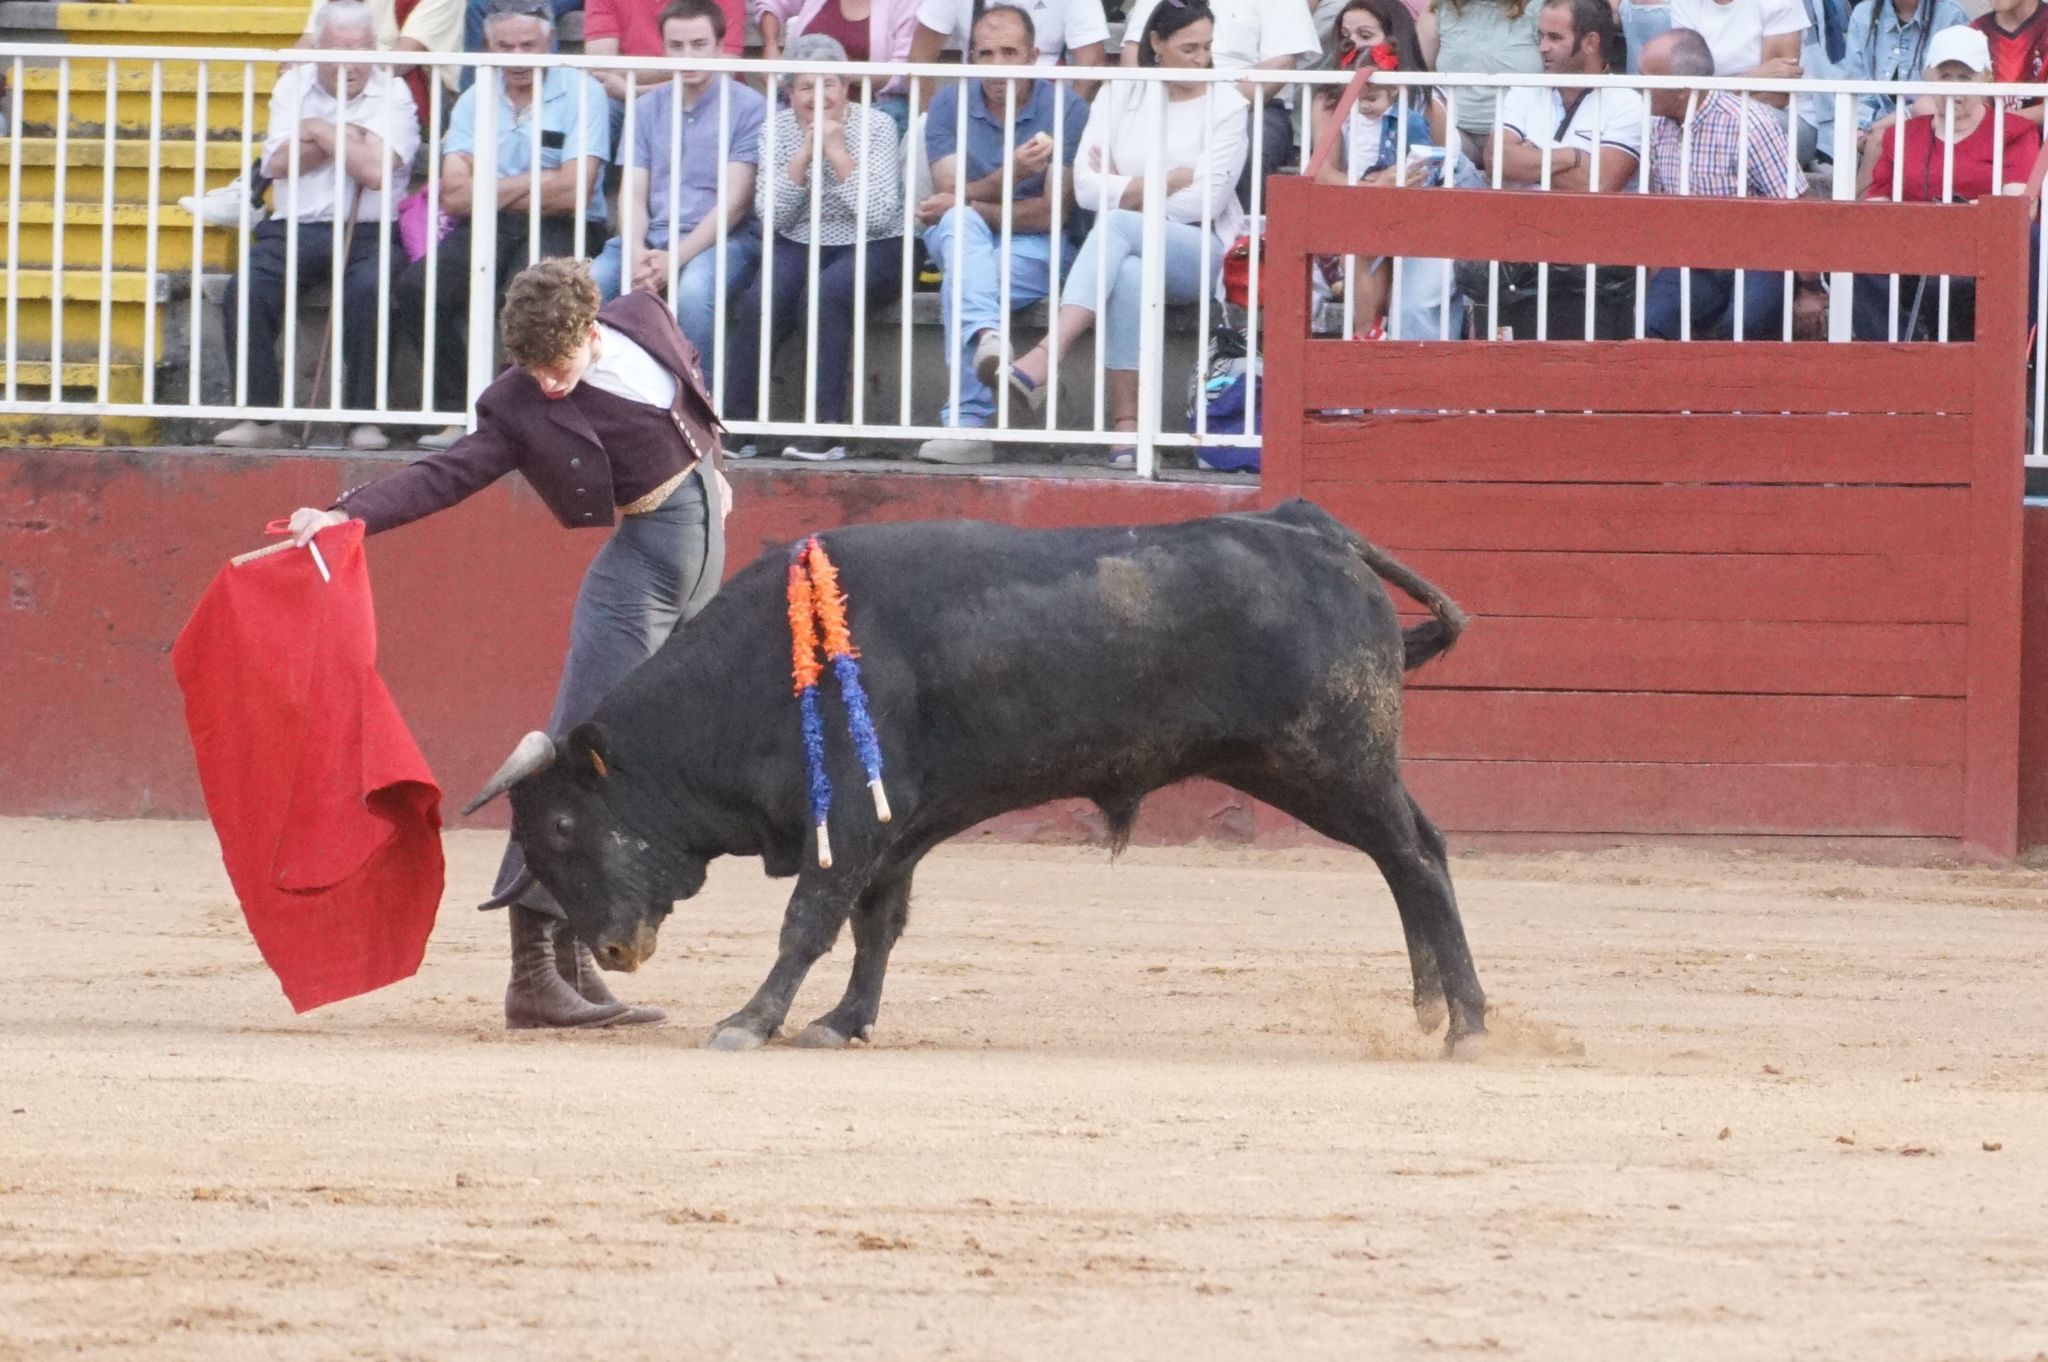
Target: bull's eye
x,y
565,825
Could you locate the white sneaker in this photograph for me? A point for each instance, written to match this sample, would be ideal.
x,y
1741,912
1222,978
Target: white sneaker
x,y
957,451
442,438
222,207
745,451
368,437
830,454
253,435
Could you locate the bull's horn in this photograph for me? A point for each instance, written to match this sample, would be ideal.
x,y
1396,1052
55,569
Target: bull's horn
x,y
536,752
519,886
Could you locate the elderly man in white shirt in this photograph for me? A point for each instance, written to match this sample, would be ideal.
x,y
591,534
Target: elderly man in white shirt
x,y
1250,35
362,116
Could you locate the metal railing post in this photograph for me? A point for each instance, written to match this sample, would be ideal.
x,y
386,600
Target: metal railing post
x,y
1152,293
483,239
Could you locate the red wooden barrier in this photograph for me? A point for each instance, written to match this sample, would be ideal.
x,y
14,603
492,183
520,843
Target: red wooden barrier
x,y
1721,588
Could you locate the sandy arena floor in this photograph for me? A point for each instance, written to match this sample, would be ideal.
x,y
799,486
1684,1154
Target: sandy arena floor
x,y
1737,1106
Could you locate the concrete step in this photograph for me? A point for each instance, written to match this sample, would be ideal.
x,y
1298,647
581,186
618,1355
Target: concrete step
x,y
87,99
85,178
78,432
158,25
134,224
80,381
127,292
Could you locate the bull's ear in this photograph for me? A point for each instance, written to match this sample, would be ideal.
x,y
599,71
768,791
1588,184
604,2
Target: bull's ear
x,y
590,751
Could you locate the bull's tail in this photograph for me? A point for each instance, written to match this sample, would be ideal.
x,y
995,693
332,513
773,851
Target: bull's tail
x,y
1434,636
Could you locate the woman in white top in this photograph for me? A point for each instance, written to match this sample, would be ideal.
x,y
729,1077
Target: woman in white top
x,y
832,166
1204,152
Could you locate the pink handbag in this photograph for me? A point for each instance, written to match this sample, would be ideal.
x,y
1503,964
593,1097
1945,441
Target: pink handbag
x,y
413,231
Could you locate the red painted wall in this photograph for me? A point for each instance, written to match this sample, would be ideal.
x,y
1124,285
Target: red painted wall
x,y
2034,681
104,554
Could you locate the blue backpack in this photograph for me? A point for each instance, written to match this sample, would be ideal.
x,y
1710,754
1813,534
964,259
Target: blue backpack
x,y
1224,396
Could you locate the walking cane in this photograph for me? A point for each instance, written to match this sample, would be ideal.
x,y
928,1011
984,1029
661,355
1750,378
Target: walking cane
x,y
348,242
1913,314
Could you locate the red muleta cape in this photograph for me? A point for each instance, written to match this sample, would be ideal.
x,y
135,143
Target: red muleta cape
x,y
328,818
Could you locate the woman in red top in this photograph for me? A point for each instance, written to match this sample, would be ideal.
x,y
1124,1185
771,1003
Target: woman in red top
x,y
1960,151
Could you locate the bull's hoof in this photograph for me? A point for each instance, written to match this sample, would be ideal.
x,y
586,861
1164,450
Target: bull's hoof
x,y
1430,1013
1467,1047
818,1036
734,1038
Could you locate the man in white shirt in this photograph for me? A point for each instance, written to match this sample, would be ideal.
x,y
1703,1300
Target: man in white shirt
x,y
1758,38
430,26
363,116
1558,138
1263,35
1069,33
1573,139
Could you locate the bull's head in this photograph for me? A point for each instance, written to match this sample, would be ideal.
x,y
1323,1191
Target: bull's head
x,y
615,883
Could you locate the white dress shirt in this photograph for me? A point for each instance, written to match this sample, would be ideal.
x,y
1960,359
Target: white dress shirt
x,y
384,108
623,368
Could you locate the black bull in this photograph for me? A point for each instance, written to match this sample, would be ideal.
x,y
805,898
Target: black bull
x,y
1005,668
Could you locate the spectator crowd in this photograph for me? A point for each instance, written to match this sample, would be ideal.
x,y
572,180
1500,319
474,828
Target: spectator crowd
x,y
775,213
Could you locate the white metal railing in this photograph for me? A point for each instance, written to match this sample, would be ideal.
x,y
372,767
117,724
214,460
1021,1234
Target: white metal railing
x,y
907,409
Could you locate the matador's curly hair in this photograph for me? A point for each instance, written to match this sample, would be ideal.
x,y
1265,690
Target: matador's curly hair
x,y
548,311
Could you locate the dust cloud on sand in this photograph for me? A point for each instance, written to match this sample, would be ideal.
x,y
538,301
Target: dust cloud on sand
x,y
1174,1107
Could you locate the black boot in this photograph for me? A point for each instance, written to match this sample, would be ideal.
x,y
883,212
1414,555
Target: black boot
x,y
538,995
578,969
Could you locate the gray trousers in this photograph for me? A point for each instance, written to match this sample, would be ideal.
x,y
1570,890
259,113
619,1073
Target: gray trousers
x,y
656,571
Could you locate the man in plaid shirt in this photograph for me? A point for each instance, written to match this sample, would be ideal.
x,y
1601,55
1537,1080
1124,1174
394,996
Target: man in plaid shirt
x,y
1700,147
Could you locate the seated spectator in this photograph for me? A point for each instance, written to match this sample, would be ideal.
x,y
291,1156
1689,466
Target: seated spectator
x,y
1381,35
362,114
643,253
869,30
1888,42
1204,152
1249,35
574,146
816,155
636,28
1327,13
476,11
2017,31
1549,135
1567,138
423,26
1484,38
1948,158
1068,32
965,212
414,26
1698,149
1760,38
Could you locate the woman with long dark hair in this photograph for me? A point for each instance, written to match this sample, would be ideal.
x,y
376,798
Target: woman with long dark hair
x,y
1204,148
